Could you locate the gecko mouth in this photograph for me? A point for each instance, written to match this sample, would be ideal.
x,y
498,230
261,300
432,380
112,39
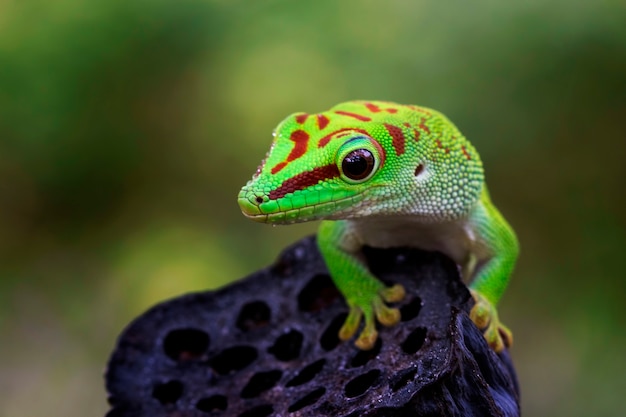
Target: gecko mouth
x,y
327,210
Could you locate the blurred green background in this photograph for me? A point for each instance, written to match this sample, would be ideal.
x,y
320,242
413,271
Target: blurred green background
x,y
128,126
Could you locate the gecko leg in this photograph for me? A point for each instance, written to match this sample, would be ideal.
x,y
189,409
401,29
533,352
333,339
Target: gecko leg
x,y
490,279
365,295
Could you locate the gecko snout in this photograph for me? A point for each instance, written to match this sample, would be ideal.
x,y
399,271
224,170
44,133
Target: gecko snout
x,y
250,204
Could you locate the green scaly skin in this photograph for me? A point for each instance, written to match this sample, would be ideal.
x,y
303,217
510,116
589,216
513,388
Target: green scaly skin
x,y
386,175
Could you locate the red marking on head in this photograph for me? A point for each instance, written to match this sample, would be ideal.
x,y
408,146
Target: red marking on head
x,y
322,121
418,109
301,118
324,141
304,180
417,134
447,150
467,155
439,144
423,126
372,107
405,124
300,139
375,109
397,137
356,116
278,167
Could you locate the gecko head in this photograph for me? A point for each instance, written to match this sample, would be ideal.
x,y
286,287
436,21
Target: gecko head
x,y
363,159
310,174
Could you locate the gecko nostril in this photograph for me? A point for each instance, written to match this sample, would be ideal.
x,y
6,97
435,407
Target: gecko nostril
x,y
259,200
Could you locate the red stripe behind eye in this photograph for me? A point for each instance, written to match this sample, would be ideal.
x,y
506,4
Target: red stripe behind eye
x,y
304,180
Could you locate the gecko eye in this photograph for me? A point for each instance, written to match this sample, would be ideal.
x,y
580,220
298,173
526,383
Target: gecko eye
x,y
359,158
358,164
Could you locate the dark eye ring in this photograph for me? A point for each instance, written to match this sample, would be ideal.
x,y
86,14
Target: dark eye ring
x,y
358,164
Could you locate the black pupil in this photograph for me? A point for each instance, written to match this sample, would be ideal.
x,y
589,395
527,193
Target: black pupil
x,y
358,164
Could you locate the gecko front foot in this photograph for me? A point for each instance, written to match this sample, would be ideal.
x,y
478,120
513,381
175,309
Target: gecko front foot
x,y
372,307
485,316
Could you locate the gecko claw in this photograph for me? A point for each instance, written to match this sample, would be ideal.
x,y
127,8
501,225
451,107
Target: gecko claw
x,y
485,316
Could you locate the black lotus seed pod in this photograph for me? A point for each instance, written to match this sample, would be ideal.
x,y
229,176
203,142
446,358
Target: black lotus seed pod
x,y
267,346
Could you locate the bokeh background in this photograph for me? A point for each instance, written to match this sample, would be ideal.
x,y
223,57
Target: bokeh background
x,y
128,126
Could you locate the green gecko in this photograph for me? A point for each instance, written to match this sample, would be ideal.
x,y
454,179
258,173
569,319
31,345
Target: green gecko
x,y
386,175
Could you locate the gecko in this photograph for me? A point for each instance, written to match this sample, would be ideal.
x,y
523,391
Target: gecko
x,y
383,175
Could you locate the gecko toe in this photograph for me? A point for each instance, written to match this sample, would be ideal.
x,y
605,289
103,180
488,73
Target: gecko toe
x,y
351,325
386,316
368,336
393,294
506,335
485,316
480,315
